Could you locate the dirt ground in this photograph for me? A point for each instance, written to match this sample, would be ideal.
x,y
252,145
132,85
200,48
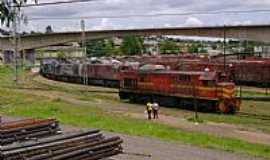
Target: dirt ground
x,y
142,148
160,150
137,111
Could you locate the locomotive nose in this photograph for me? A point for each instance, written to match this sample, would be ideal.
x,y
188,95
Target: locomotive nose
x,y
227,90
229,103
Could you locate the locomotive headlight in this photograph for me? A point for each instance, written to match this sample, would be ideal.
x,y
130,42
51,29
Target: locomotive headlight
x,y
207,70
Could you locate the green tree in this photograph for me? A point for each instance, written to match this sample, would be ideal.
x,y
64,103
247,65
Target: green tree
x,y
249,47
100,48
214,46
94,48
193,48
168,47
61,54
132,45
110,48
7,14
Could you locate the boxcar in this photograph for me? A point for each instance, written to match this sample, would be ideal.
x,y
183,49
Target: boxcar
x,y
253,73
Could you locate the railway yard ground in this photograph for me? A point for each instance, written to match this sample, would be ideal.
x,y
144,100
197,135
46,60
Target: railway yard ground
x,y
217,136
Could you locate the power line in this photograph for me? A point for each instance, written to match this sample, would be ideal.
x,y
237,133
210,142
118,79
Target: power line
x,y
54,3
152,15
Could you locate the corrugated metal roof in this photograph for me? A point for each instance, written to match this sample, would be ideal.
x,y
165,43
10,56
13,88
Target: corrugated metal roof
x,y
172,72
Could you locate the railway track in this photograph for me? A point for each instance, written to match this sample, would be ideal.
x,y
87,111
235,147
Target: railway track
x,y
256,116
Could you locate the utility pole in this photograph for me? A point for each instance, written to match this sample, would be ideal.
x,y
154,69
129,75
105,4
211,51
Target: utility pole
x,y
83,37
195,102
15,42
241,75
224,49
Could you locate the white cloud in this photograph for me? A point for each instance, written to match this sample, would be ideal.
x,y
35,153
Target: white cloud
x,y
193,22
247,22
105,24
236,23
167,25
124,7
68,28
114,1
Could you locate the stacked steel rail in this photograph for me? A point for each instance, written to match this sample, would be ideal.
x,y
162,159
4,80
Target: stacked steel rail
x,y
38,139
87,145
23,130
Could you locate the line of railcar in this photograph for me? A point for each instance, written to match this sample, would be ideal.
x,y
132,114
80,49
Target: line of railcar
x,y
252,72
92,72
149,83
170,80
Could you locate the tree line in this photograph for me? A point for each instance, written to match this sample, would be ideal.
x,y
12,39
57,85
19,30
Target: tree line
x,y
135,45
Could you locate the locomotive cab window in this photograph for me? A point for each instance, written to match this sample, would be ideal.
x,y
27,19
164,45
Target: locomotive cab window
x,y
124,68
184,78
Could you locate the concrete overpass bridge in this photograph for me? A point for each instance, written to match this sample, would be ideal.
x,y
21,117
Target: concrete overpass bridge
x,y
251,32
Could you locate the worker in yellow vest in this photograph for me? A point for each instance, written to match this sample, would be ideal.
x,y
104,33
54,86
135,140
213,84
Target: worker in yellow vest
x,y
149,110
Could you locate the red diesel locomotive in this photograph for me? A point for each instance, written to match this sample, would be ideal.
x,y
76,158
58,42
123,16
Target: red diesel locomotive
x,y
179,88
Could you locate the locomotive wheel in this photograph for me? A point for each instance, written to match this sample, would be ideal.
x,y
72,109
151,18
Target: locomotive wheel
x,y
123,95
206,106
133,98
232,110
222,107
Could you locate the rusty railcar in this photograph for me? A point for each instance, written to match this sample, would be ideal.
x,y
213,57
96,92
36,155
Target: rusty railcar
x,y
224,72
78,72
252,72
100,74
179,89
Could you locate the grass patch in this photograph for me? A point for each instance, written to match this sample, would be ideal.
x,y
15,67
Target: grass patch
x,y
6,76
21,104
250,93
93,117
260,108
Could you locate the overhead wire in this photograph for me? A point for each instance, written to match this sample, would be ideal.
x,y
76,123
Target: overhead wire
x,y
53,3
131,15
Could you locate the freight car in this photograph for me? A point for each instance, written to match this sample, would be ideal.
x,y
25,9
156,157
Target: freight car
x,y
252,72
78,71
214,66
179,88
242,72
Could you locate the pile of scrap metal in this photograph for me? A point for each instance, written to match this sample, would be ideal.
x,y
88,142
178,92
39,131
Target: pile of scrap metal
x,y
23,130
82,145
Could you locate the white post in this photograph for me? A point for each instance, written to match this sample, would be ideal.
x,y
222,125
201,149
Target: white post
x,y
83,37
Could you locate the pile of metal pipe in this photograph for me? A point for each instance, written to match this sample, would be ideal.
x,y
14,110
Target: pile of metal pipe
x,y
27,129
86,145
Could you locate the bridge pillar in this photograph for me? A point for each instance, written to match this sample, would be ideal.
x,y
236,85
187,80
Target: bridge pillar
x,y
26,57
8,56
29,56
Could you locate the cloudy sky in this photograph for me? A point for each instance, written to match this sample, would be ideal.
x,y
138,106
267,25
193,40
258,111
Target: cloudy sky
x,y
103,8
